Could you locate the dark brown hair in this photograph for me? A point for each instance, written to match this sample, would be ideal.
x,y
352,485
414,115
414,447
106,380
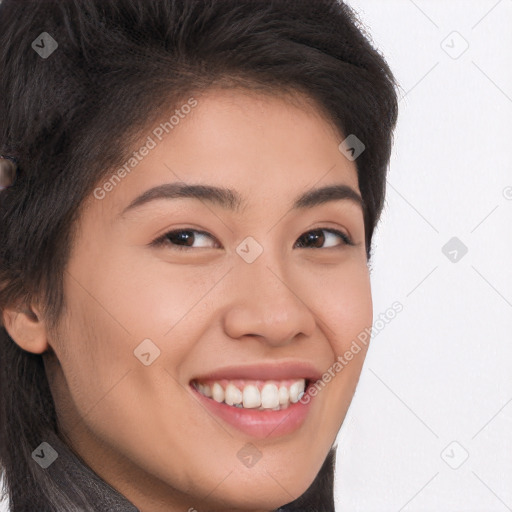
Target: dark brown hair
x,y
72,117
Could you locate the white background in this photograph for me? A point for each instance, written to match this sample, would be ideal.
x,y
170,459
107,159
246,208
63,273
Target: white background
x,y
440,371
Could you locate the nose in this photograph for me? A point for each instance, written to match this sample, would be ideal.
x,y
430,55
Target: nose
x,y
268,303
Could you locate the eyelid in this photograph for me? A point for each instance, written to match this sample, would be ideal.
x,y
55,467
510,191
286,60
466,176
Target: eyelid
x,y
347,239
161,240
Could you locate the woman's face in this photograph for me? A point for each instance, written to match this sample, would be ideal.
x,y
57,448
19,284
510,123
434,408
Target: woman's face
x,y
250,289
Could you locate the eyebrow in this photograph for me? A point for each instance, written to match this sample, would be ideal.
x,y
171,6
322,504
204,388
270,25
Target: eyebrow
x,y
231,200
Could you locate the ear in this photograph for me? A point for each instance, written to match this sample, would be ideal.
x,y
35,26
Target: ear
x,y
27,328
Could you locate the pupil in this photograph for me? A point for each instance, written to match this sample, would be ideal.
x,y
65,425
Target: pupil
x,y
316,236
183,237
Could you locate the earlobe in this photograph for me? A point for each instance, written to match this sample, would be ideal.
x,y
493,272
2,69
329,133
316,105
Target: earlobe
x,y
27,329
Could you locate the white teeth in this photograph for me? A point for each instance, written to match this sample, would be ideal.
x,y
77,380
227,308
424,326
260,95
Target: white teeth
x,y
205,389
233,395
251,397
284,395
273,396
296,391
217,392
269,396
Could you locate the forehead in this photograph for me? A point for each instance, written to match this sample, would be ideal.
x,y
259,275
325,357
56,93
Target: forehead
x,y
266,148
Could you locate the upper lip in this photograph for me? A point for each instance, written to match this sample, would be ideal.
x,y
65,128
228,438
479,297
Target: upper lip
x,y
264,371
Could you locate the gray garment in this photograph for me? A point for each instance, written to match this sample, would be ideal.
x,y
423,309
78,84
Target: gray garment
x,y
75,487
77,482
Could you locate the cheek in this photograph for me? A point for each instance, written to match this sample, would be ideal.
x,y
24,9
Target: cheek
x,y
132,290
93,348
344,302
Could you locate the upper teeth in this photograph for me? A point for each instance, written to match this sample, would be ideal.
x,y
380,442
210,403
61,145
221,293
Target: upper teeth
x,y
254,394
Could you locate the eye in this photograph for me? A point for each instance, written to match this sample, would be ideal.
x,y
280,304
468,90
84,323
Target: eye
x,y
183,239
318,238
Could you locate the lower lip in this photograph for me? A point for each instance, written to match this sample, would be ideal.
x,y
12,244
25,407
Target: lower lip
x,y
259,424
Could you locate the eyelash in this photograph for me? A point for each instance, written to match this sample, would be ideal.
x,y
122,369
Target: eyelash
x,y
164,239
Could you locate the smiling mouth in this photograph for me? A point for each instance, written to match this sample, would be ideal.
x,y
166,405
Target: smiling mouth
x,y
261,395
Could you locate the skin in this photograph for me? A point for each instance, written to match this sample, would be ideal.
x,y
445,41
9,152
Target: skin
x,y
140,427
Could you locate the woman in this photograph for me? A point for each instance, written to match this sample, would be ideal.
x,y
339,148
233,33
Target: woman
x,y
184,249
